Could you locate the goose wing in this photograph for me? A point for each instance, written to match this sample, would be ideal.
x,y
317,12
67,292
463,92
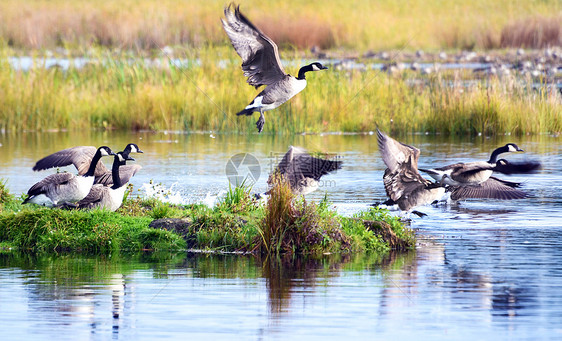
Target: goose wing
x,y
80,157
515,167
94,197
260,56
409,189
493,188
125,173
50,181
507,183
314,167
395,154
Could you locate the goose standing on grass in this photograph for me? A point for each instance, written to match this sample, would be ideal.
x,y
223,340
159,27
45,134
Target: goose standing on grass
x,y
402,182
81,158
262,65
107,197
66,187
303,171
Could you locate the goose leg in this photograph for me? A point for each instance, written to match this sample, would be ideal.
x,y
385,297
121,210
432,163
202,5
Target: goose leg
x,y
260,122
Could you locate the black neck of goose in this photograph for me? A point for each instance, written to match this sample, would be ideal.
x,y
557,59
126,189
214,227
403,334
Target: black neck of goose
x,y
304,70
115,173
92,169
496,153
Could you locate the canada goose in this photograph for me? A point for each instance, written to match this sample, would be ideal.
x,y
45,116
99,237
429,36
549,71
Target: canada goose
x,y
65,187
108,197
81,157
495,188
402,182
459,174
262,65
302,170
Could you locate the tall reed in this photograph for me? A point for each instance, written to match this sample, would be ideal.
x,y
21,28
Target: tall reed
x,y
121,91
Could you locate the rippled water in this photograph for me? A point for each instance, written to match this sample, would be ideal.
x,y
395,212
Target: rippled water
x,y
485,270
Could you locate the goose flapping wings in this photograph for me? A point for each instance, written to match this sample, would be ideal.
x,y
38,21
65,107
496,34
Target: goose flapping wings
x,y
80,157
260,56
493,188
402,182
303,171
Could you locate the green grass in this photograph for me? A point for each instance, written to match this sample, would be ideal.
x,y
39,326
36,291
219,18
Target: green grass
x,y
112,93
237,223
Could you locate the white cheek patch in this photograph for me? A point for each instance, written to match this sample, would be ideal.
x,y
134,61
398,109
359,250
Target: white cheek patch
x,y
315,68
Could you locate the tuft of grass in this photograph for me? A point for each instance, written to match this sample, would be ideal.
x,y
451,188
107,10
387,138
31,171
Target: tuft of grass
x,y
295,226
238,199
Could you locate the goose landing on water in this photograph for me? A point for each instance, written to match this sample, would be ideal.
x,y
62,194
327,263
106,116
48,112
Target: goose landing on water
x,y
65,187
475,180
459,174
402,182
262,65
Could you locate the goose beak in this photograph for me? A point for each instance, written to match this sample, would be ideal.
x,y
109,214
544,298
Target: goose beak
x,y
128,158
519,149
139,151
324,67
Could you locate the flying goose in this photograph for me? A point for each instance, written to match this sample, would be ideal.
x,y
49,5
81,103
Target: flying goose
x,y
66,187
262,65
460,174
402,182
303,171
81,157
108,197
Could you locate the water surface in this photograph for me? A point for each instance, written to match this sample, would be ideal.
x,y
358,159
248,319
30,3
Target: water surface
x,y
486,270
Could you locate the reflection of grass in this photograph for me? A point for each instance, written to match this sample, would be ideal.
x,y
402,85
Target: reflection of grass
x,y
114,93
356,24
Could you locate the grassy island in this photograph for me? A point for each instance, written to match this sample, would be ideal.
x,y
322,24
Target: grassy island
x,y
238,223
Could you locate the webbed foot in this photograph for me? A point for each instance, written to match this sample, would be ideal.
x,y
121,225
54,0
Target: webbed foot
x,y
260,122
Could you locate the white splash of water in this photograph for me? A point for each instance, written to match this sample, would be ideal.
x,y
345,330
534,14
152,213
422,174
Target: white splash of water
x,y
173,195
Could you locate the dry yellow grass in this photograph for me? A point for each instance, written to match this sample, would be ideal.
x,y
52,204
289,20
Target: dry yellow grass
x,y
357,25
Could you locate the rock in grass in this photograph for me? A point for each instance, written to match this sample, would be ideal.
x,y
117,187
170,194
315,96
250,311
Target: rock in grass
x,y
178,225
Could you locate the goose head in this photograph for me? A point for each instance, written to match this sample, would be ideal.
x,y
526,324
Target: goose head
x,y
132,148
310,67
317,66
512,147
105,151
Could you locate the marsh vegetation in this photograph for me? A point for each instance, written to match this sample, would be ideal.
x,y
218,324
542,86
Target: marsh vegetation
x,y
238,223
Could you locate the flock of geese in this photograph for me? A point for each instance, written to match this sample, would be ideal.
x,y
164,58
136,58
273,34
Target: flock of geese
x,y
95,186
